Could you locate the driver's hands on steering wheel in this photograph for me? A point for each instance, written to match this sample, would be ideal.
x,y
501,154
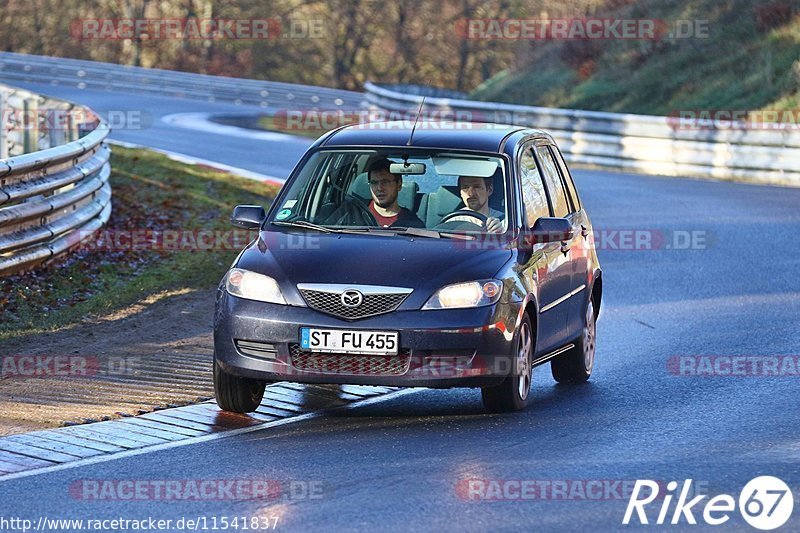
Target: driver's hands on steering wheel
x,y
490,224
494,225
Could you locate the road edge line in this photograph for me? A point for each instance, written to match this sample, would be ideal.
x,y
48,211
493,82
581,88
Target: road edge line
x,y
201,438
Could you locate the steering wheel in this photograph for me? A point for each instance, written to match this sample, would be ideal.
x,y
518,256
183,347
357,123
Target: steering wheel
x,y
480,218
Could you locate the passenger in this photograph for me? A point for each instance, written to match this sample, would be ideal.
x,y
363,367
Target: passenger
x,y
475,193
384,188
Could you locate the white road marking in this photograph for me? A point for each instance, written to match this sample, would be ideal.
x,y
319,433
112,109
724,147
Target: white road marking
x,y
202,122
195,440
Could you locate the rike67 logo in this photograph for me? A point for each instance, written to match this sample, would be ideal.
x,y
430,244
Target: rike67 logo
x,y
765,503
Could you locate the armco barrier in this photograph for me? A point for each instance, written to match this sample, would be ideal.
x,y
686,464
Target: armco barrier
x,y
54,186
156,82
635,143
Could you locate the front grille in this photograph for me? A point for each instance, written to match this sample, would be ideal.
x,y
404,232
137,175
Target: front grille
x,y
360,365
373,304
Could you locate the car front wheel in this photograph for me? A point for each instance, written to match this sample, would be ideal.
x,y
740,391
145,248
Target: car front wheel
x,y
237,394
512,394
575,365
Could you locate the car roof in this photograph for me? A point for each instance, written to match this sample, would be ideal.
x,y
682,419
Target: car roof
x,y
484,137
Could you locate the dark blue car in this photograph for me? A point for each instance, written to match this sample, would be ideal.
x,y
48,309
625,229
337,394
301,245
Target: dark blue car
x,y
447,256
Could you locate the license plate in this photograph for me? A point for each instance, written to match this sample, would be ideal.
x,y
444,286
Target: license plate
x,y
349,341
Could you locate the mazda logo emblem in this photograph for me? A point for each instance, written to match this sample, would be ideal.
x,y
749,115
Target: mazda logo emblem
x,y
352,298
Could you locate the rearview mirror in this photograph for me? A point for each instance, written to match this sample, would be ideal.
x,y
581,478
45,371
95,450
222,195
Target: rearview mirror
x,y
248,216
552,229
407,168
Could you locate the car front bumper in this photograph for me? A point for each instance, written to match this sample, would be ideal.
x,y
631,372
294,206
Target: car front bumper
x,y
438,348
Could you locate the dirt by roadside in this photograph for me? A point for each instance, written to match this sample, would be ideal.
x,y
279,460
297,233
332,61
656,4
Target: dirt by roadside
x,y
117,329
154,354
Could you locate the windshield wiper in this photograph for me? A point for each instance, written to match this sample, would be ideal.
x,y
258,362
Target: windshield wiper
x,y
361,230
433,234
325,229
304,224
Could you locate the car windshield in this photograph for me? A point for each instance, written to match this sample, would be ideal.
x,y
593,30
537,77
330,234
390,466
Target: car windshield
x,y
447,191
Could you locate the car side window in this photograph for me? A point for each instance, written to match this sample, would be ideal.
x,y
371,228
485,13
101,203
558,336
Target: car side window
x,y
533,196
558,196
573,192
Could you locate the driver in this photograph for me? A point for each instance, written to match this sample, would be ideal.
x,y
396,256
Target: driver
x,y
475,193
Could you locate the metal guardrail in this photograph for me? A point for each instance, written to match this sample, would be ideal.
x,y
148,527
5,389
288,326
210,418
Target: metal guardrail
x,y
635,143
156,82
54,190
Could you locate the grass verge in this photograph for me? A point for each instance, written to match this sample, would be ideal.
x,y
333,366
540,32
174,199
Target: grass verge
x,y
152,195
311,131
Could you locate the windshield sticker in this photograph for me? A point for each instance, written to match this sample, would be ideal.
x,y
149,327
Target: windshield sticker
x,y
289,204
283,213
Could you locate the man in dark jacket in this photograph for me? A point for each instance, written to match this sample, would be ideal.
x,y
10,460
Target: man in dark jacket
x,y
384,188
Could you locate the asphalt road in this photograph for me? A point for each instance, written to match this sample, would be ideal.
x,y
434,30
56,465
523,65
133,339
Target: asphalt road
x,y
401,464
138,119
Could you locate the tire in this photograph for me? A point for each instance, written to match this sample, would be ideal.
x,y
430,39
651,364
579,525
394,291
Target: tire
x,y
575,365
513,393
237,394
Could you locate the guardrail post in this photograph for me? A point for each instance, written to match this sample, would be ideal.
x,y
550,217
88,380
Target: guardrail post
x,y
72,127
57,127
3,132
30,117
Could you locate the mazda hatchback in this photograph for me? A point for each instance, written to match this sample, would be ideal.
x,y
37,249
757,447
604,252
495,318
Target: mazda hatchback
x,y
439,256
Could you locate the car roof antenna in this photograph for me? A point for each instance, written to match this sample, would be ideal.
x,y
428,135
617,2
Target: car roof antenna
x,y
416,119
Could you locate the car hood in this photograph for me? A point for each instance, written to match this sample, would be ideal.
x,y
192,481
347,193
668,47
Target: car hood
x,y
422,264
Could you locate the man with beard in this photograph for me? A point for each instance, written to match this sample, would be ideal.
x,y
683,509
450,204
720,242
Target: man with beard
x,y
475,193
384,188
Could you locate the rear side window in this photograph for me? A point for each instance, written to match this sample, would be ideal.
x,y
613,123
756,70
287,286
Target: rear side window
x,y
573,192
558,196
533,195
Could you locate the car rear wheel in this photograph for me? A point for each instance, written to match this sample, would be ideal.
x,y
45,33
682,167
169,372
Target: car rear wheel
x,y
237,394
512,394
575,365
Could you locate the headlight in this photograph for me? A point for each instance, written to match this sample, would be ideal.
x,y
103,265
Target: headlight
x,y
252,286
469,294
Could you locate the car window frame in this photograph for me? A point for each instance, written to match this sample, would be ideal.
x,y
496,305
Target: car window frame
x,y
544,143
522,209
566,178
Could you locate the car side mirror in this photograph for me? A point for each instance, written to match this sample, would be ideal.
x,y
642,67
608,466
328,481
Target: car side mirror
x,y
248,216
552,229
